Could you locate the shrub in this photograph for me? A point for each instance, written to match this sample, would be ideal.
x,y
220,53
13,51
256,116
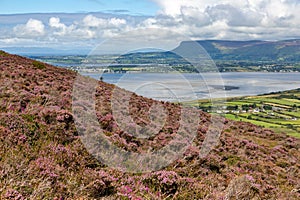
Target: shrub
x,y
38,65
232,160
3,53
163,181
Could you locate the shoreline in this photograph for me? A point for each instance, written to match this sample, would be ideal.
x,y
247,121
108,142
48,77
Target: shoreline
x,y
177,72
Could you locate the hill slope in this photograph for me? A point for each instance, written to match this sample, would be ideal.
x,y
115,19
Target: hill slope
x,y
254,55
286,50
42,156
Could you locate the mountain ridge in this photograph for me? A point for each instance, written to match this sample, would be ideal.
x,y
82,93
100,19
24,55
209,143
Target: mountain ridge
x,y
228,56
258,50
42,155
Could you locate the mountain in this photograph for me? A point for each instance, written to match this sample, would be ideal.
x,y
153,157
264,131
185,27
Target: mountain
x,y
44,155
286,50
225,50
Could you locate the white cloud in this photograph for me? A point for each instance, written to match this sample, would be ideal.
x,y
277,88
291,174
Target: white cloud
x,y
60,28
196,19
32,28
92,21
138,39
89,27
227,19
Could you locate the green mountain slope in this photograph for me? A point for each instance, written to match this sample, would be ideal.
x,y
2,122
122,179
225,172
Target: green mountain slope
x,y
288,50
254,55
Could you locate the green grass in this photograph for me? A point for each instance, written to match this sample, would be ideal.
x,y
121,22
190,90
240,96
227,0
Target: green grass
x,y
253,121
275,121
282,102
38,65
279,119
3,53
293,114
287,131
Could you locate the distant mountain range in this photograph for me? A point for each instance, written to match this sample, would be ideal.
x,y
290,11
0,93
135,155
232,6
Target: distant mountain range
x,y
225,50
227,56
257,50
286,50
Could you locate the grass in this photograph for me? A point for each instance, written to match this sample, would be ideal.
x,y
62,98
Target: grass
x,y
38,65
293,114
253,121
282,115
280,102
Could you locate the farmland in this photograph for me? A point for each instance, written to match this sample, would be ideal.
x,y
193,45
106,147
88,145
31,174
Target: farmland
x,y
276,111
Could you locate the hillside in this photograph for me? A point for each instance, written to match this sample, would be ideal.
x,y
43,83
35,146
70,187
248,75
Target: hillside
x,y
280,51
42,155
254,55
229,56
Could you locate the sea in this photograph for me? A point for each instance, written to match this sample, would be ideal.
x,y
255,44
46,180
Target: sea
x,y
179,87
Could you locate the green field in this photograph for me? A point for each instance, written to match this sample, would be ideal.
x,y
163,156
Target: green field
x,y
277,111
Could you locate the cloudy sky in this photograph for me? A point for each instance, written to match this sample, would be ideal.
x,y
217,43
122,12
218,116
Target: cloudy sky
x,y
69,24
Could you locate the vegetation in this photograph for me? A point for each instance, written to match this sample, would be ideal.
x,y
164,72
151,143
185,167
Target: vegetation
x,y
3,53
42,155
277,111
38,65
229,56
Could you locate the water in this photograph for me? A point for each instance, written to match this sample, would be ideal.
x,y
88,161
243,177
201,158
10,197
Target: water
x,y
184,87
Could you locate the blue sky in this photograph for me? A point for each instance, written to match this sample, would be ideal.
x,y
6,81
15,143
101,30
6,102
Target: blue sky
x,y
142,7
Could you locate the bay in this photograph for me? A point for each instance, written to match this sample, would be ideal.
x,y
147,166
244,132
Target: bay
x,y
184,86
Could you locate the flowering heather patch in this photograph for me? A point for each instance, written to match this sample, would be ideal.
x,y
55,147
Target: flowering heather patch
x,y
165,182
42,156
13,194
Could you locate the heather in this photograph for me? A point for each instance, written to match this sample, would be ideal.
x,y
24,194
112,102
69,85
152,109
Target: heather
x,y
43,157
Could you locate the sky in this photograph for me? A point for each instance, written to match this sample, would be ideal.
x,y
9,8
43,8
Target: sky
x,y
135,7
87,24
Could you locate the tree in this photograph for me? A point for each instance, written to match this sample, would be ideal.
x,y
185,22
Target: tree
x,y
267,107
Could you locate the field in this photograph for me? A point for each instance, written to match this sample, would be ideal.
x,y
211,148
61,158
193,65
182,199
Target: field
x,y
276,111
